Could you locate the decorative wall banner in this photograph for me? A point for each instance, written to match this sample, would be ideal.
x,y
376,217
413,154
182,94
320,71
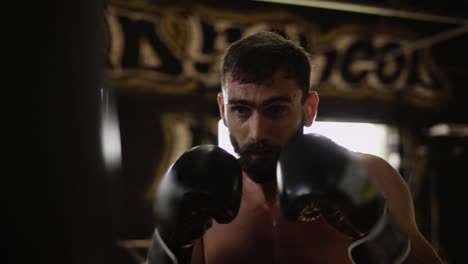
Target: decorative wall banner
x,y
177,49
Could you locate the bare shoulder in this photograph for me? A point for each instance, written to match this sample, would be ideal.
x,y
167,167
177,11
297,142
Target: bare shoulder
x,y
394,189
386,178
400,206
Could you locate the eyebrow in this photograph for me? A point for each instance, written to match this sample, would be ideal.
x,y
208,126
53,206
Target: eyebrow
x,y
271,100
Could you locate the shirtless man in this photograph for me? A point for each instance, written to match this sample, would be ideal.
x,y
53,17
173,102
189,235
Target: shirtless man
x,y
265,102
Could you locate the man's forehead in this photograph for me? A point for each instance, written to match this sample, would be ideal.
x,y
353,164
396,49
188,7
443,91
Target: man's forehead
x,y
268,80
260,94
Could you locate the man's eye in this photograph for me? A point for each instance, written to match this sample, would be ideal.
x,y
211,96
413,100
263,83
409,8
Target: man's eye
x,y
276,110
241,110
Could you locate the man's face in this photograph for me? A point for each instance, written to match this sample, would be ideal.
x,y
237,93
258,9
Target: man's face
x,y
262,119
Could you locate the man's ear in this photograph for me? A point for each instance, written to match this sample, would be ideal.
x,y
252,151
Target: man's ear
x,y
310,108
221,107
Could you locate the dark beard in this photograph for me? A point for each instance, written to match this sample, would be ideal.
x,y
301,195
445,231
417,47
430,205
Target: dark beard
x,y
260,170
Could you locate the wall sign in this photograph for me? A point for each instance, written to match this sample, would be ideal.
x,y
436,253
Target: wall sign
x,y
175,50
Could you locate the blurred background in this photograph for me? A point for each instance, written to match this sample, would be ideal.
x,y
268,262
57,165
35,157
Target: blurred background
x,y
130,85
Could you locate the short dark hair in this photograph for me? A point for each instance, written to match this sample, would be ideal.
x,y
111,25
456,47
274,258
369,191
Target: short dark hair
x,y
257,57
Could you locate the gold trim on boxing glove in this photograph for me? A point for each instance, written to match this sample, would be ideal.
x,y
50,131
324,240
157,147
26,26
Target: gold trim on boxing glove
x,y
310,212
335,217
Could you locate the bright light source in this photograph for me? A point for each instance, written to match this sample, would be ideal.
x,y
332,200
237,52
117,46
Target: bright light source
x,y
361,137
223,138
110,133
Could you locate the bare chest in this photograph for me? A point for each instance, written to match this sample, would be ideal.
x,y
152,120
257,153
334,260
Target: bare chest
x,y
260,234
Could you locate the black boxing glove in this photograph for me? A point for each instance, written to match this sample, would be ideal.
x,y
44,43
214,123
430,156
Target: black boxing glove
x,y
205,183
318,178
384,244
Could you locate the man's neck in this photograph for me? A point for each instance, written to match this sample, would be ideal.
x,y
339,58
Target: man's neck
x,y
267,192
270,192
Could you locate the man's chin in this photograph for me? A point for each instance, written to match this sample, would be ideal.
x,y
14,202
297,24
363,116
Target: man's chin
x,y
261,170
262,178
266,157
263,156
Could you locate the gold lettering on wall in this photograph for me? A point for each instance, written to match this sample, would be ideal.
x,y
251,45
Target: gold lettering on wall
x,y
174,50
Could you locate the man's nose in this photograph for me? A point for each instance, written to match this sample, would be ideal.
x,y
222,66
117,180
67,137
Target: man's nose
x,y
258,128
